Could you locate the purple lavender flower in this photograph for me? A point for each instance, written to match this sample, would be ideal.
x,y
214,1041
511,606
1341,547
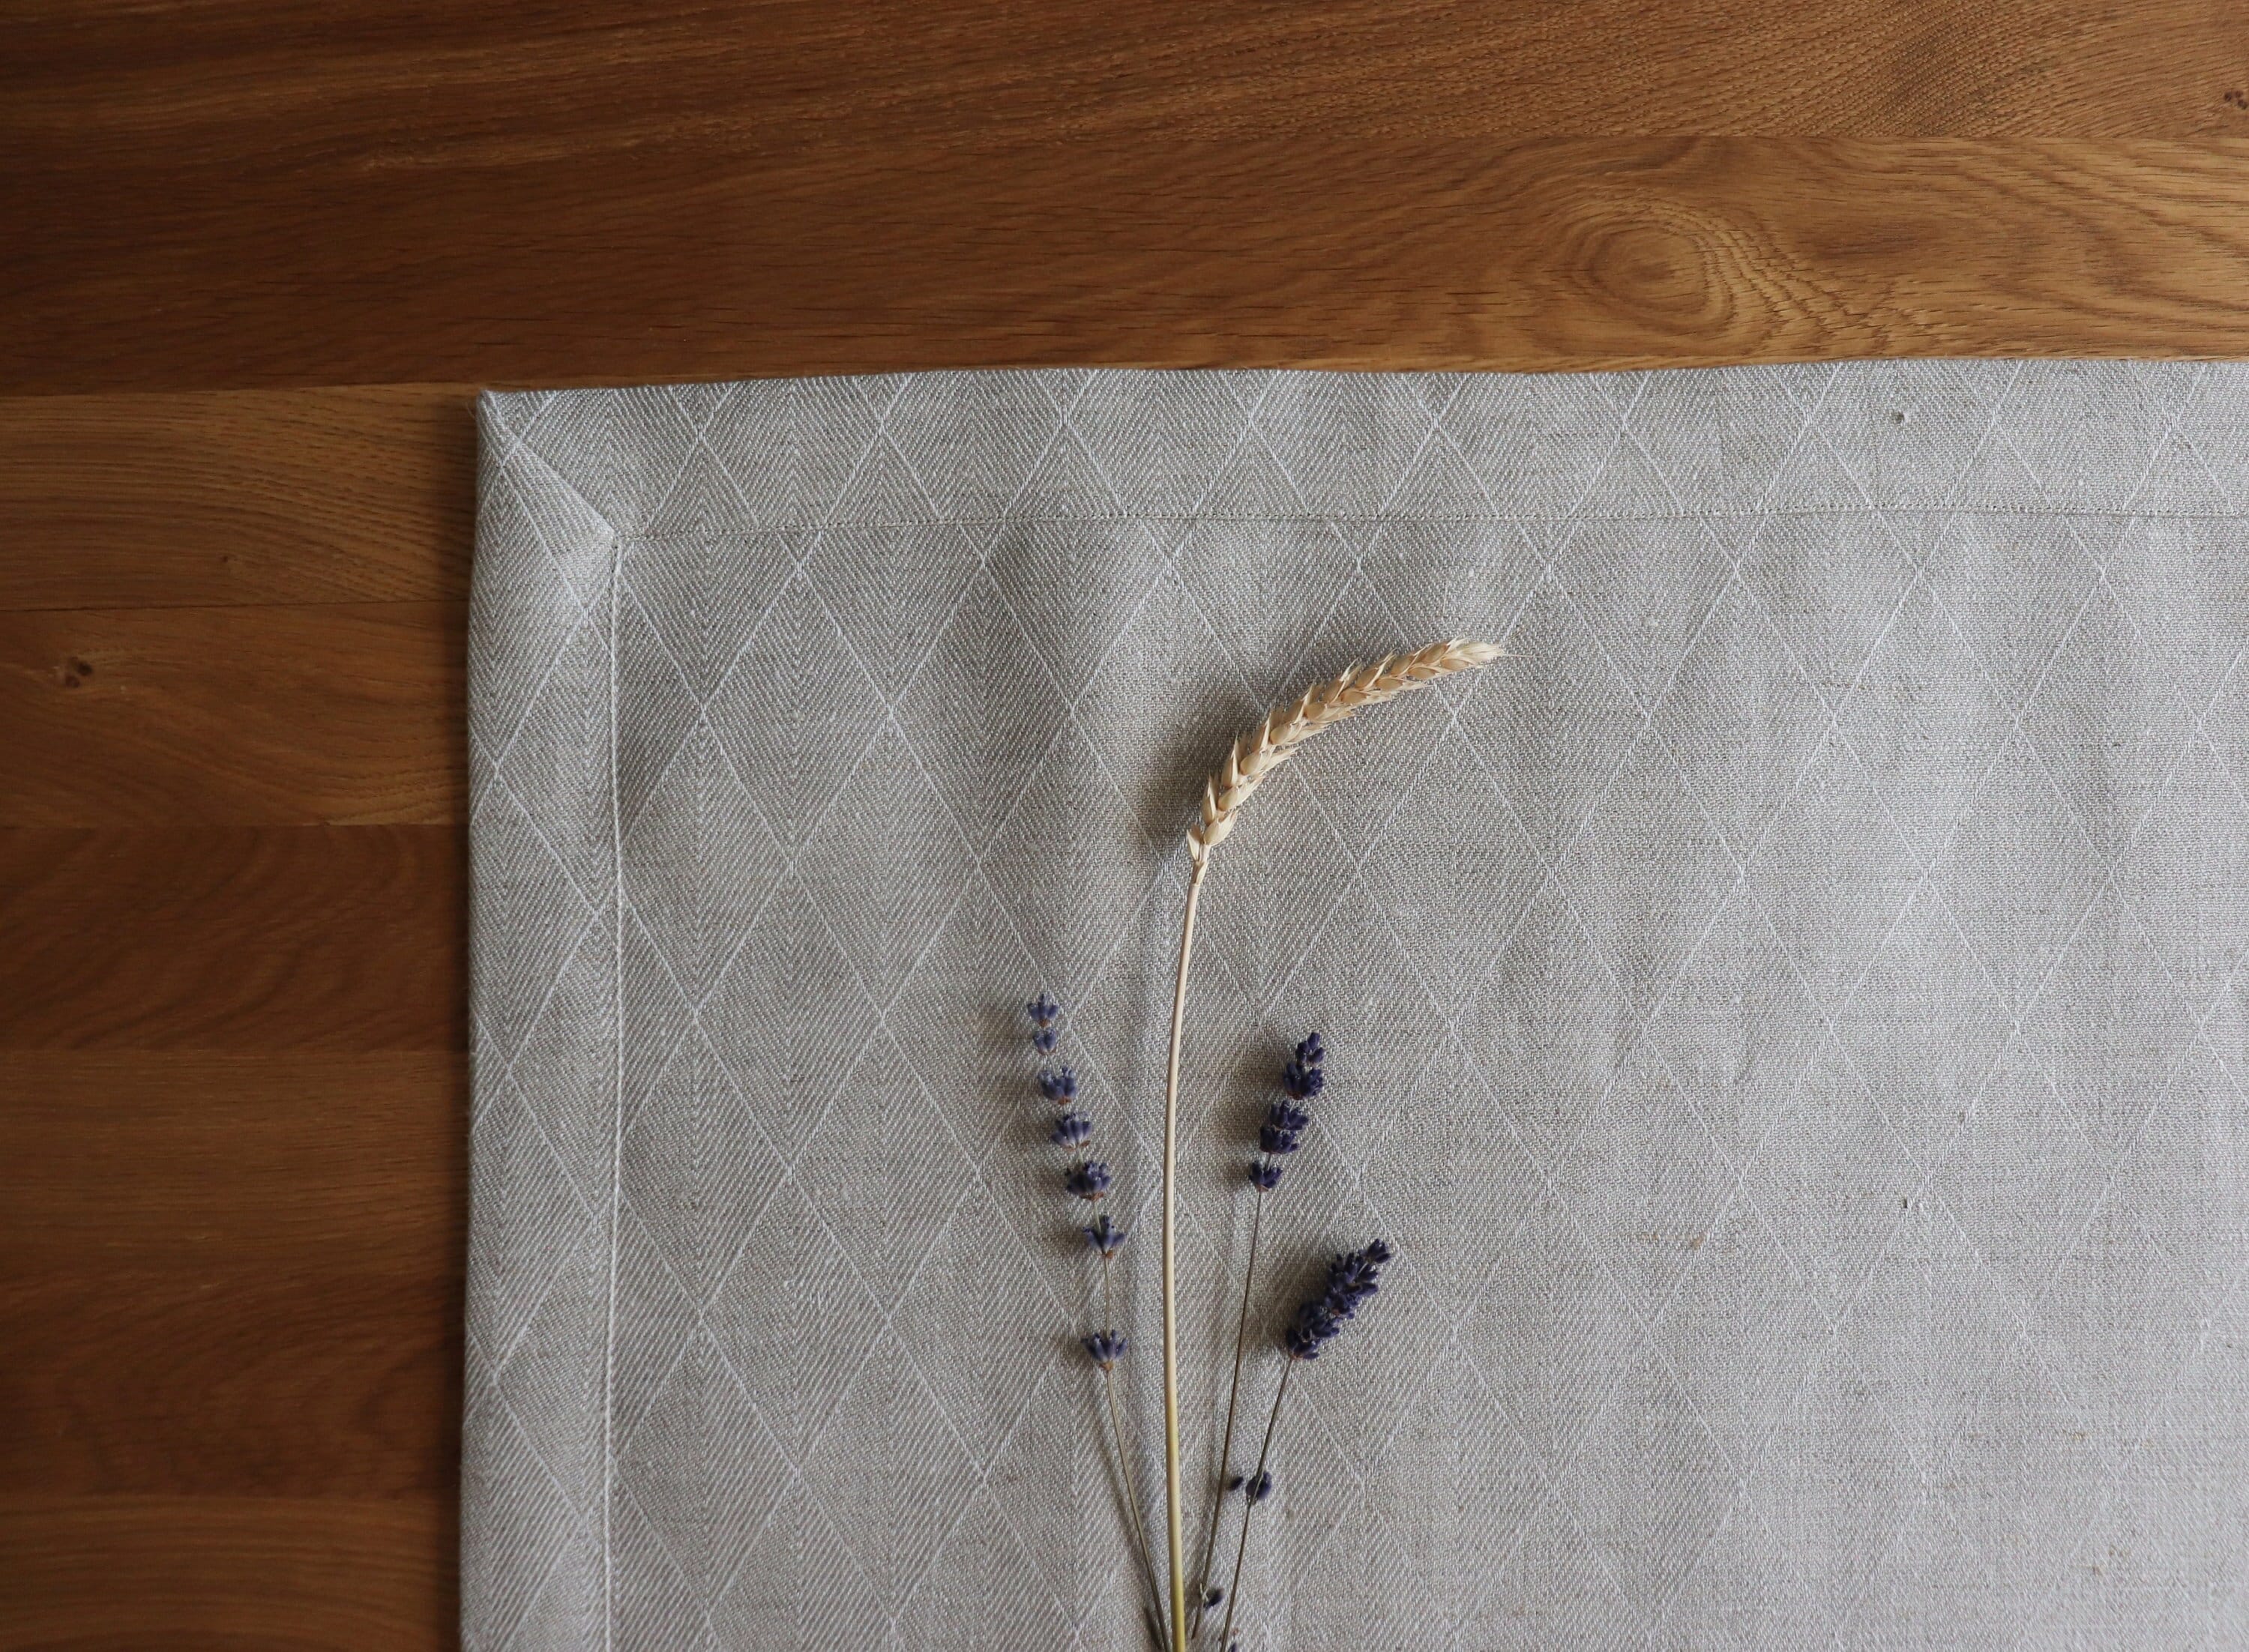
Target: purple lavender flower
x,y
1072,1130
1352,1279
1312,1329
1106,1347
1264,1175
1283,1129
1302,1077
1088,1179
1042,1011
1105,1237
1258,1488
1058,1085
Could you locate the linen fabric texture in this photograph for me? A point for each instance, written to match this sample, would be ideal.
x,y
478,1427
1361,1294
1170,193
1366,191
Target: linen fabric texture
x,y
1787,1014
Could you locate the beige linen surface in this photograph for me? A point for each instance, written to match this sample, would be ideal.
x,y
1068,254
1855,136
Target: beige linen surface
x,y
1785,1015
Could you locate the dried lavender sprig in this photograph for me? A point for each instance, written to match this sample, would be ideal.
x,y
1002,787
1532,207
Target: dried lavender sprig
x,y
1105,1349
1301,1078
1351,1278
1089,1180
1259,1484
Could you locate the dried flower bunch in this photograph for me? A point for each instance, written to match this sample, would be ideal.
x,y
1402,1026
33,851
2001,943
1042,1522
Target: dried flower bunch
x,y
1177,1616
1089,1180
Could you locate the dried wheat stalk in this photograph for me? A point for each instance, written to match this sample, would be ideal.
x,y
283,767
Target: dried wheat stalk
x,y
1255,757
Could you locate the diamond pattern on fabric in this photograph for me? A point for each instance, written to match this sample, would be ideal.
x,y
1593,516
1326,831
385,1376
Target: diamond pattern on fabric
x,y
1788,1014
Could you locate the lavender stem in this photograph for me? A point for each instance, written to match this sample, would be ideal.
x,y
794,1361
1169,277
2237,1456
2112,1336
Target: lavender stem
x,y
1123,1462
1233,1399
1132,1494
1234,1590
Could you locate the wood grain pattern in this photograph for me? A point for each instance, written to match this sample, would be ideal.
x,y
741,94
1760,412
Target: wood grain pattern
x,y
266,1296
232,1218
232,1094
338,713
295,1379
577,259
226,1574
232,938
418,78
360,495
218,1163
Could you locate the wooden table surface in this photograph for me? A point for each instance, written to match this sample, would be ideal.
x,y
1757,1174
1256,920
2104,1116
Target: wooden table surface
x,y
252,253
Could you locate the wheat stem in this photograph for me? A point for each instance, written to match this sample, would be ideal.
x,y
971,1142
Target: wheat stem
x,y
1173,1499
1254,757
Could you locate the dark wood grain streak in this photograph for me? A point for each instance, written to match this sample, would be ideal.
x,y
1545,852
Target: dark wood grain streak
x,y
279,938
575,257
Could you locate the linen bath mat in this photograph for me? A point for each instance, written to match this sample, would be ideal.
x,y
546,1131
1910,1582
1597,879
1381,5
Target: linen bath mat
x,y
1786,1014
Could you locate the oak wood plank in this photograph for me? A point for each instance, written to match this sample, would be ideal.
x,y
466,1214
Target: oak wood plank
x,y
362,495
573,254
298,1380
247,938
419,80
336,713
194,1162
203,1575
236,1270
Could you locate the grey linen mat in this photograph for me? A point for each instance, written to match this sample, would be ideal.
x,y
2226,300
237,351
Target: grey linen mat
x,y
1785,1015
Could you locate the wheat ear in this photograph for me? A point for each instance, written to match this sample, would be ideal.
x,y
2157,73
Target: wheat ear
x,y
1277,740
1255,757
